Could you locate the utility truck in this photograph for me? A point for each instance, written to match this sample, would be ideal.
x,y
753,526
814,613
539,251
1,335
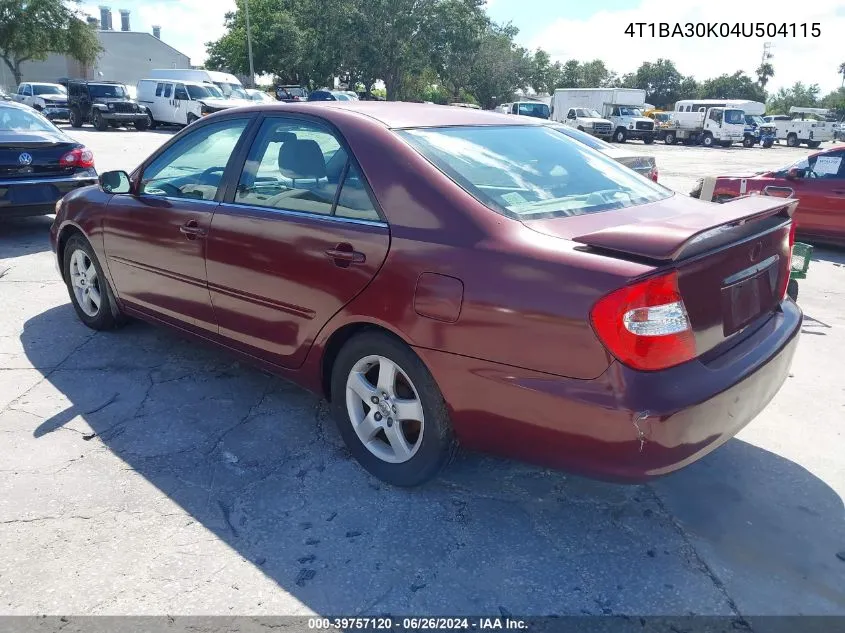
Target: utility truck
x,y
807,125
706,123
621,107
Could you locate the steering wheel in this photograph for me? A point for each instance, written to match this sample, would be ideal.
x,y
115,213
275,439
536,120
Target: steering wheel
x,y
212,170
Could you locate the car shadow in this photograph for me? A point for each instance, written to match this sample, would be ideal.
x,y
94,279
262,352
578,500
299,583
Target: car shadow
x,y
24,236
827,253
258,463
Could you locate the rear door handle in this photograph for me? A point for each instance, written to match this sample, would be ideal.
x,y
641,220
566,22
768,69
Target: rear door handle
x,y
343,255
191,229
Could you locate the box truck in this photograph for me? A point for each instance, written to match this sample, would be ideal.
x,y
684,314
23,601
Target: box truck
x,y
621,107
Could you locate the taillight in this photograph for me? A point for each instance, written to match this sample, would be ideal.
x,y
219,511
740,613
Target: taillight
x,y
786,268
653,174
645,325
79,157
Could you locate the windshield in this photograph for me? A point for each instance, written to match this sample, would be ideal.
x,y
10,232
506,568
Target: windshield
x,y
532,172
106,91
629,111
204,92
662,117
582,137
754,119
228,89
18,120
48,90
588,113
540,110
734,116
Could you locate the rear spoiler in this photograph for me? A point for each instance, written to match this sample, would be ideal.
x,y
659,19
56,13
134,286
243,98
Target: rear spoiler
x,y
689,234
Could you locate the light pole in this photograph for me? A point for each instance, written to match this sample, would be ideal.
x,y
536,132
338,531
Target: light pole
x,y
249,47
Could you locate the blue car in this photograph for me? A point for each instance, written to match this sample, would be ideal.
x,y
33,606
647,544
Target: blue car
x,y
758,131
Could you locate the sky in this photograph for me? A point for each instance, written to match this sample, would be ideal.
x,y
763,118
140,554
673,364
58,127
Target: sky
x,y
586,30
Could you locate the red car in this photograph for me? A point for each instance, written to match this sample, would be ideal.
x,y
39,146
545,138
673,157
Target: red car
x,y
448,276
817,182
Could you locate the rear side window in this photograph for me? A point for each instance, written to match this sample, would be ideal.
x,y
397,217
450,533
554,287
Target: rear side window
x,y
532,172
159,89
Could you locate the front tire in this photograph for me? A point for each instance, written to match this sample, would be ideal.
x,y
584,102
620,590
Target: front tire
x,y
390,411
98,121
620,135
87,286
748,141
648,139
76,118
792,140
707,141
142,124
813,144
669,139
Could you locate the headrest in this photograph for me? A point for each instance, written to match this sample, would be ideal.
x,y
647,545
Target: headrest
x,y
281,136
302,159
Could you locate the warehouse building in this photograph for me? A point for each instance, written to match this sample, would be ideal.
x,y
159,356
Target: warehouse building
x,y
127,56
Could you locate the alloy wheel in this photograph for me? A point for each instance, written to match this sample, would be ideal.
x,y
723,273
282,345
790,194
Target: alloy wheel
x,y
385,409
85,283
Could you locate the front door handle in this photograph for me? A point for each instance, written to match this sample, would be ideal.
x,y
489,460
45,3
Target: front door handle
x,y
343,255
191,229
778,192
839,192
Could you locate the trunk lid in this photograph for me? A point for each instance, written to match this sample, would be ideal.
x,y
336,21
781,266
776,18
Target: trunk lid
x,y
24,156
732,259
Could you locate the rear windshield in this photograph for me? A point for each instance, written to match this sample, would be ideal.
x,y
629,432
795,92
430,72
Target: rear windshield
x,y
295,92
532,172
20,120
540,110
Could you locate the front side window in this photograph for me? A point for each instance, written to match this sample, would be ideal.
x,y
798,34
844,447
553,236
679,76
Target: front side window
x,y
734,116
193,167
27,90
106,91
168,90
830,166
300,166
532,172
159,89
181,93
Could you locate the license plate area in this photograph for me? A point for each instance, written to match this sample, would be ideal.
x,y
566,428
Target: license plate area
x,y
748,294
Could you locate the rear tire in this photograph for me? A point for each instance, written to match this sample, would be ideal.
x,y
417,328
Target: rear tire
x,y
669,139
88,287
748,141
767,144
792,289
792,140
813,144
142,124
401,452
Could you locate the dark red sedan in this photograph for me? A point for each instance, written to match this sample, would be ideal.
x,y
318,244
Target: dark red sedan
x,y
446,276
817,182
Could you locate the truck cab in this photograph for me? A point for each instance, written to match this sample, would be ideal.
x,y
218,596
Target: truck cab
x,y
537,109
590,121
707,126
629,122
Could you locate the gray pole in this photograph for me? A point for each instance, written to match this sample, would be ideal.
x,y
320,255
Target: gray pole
x,y
249,47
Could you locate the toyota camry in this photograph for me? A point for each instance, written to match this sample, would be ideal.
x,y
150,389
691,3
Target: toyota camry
x,y
445,277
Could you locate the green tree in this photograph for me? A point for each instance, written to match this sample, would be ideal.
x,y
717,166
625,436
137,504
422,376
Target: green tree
x,y
661,81
500,68
545,75
276,41
764,72
798,95
32,29
456,30
736,86
835,101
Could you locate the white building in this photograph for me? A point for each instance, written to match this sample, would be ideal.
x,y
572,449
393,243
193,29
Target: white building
x,y
127,56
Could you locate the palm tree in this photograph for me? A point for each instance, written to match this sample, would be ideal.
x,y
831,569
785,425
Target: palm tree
x,y
842,72
765,72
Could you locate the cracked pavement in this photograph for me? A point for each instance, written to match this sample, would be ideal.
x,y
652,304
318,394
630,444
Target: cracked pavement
x,y
143,473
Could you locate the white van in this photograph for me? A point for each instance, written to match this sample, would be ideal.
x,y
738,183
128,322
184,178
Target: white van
x,y
181,102
228,84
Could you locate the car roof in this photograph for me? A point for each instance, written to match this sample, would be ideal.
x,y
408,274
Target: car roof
x,y
397,114
15,104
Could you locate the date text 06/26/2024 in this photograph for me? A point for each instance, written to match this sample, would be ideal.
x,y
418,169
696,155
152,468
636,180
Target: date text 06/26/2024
x,y
724,29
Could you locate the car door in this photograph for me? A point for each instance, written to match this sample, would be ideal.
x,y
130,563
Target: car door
x,y
155,240
297,240
821,210
160,108
181,102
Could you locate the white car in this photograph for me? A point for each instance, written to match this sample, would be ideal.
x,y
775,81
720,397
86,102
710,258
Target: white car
x,y
641,163
259,96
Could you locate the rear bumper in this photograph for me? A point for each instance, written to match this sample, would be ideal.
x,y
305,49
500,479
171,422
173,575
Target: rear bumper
x,y
626,425
38,196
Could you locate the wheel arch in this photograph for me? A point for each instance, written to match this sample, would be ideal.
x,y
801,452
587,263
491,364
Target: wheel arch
x,y
65,233
335,342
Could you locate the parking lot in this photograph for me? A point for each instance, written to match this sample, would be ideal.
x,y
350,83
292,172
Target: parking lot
x,y
141,473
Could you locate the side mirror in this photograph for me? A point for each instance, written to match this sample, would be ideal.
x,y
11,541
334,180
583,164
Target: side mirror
x,y
795,173
116,182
